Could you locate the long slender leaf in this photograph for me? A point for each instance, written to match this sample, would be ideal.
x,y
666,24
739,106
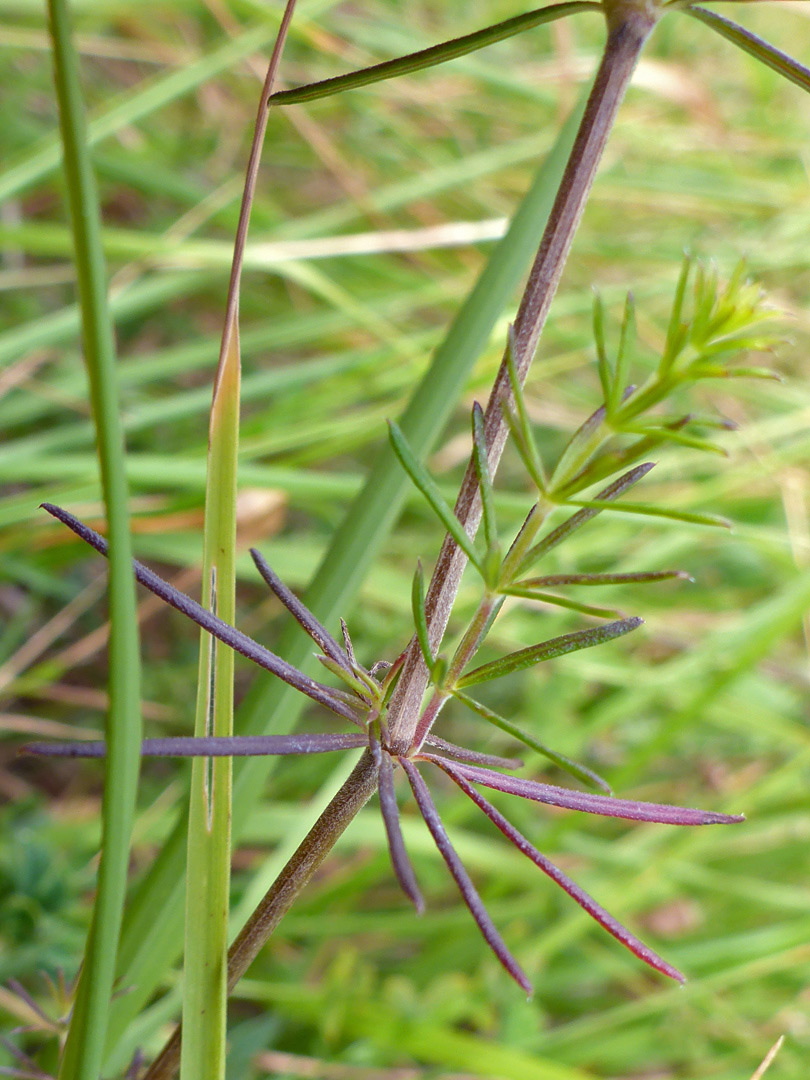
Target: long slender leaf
x,y
419,616
484,478
469,894
215,626
543,597
585,802
547,650
82,1057
430,489
581,772
586,902
576,521
205,746
403,868
774,58
436,54
648,510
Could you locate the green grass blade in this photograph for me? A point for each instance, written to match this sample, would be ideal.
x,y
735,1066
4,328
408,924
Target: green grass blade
x,y
84,1048
267,708
769,55
548,650
430,489
436,54
209,833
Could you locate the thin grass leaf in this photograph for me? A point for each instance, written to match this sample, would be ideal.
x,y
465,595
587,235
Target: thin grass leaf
x,y
403,868
419,616
677,330
526,449
209,746
232,637
574,768
585,802
473,757
548,650
427,485
576,521
769,55
468,891
484,479
586,902
648,510
436,54
301,613
520,545
710,372
83,1051
602,362
524,593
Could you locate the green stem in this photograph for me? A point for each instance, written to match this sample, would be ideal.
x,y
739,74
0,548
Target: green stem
x,y
83,1052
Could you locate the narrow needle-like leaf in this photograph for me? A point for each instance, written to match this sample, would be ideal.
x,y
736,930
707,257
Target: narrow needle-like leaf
x,y
428,810
238,641
581,772
213,746
586,902
547,650
602,362
426,484
436,54
484,478
419,616
403,868
562,601
639,578
301,613
606,805
461,753
576,521
647,510
769,55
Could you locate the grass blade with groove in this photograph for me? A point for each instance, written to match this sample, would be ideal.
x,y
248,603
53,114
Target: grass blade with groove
x,y
83,1051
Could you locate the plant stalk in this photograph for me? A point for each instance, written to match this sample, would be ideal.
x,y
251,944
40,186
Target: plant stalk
x,y
629,26
313,849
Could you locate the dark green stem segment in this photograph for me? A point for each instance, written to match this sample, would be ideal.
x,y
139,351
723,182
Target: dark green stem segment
x,y
628,29
319,841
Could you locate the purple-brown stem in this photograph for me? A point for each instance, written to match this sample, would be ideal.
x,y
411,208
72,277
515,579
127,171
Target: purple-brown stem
x,y
628,29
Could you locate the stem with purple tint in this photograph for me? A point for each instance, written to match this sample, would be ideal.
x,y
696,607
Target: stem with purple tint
x,y
629,26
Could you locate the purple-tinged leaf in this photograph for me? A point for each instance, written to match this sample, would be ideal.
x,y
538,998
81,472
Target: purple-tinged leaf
x,y
586,902
301,613
232,637
209,746
769,55
547,650
468,891
403,868
358,688
581,772
576,521
461,753
602,579
606,805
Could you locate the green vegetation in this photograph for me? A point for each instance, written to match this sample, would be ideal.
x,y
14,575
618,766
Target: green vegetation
x,y
704,706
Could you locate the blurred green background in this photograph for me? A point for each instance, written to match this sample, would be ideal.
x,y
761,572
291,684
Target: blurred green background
x,y
705,705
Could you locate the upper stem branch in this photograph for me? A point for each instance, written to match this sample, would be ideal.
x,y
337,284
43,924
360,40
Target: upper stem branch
x,y
629,26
